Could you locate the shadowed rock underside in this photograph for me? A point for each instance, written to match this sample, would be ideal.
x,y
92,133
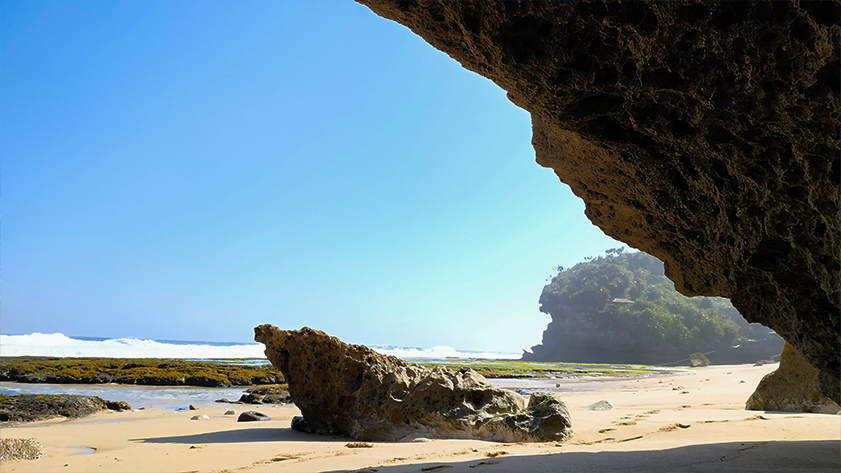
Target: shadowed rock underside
x,y
355,391
705,134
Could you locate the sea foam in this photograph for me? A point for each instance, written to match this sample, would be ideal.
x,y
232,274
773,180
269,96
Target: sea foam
x,y
60,345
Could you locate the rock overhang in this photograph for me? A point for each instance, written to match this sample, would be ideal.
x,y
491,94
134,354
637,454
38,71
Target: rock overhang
x,y
704,133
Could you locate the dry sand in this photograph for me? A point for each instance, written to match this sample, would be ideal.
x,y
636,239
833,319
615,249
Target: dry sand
x,y
654,428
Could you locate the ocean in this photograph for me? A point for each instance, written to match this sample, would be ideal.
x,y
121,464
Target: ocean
x,y
168,397
60,345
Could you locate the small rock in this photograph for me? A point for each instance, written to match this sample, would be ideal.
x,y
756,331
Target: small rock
x,y
421,440
698,359
358,445
252,416
603,405
230,412
193,407
678,388
742,381
250,398
194,447
117,405
201,417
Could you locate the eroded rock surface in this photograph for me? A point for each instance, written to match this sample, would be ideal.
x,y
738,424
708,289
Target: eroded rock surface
x,y
705,134
355,391
793,387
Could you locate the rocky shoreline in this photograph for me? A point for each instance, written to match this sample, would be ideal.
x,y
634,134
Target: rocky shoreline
x,y
34,407
150,372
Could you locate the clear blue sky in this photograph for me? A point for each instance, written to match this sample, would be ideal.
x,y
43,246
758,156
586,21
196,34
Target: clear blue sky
x,y
187,170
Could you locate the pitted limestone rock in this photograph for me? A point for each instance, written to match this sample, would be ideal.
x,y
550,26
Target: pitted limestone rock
x,y
353,390
703,133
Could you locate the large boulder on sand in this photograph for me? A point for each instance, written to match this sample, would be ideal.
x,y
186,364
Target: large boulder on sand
x,y
355,391
793,387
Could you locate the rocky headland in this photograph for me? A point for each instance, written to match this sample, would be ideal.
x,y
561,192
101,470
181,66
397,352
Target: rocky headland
x,y
703,133
621,308
355,391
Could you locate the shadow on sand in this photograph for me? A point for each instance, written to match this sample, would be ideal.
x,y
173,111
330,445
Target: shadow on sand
x,y
244,436
765,457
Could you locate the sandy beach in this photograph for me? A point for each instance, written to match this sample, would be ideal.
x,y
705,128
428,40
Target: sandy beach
x,y
692,421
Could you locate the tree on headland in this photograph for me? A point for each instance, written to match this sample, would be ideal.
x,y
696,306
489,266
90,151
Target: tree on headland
x,y
621,308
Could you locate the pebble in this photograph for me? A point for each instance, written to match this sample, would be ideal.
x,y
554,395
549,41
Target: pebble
x,y
230,412
201,417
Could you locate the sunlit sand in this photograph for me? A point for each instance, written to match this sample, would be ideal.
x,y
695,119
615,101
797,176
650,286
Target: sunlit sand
x,y
693,421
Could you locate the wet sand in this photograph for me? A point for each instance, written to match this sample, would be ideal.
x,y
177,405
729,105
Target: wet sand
x,y
701,427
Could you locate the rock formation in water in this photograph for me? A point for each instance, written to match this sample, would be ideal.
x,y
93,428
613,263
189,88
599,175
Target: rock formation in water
x,y
33,407
793,387
705,134
355,391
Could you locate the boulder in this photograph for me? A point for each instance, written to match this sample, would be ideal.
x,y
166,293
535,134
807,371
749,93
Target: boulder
x,y
355,391
252,416
793,387
698,359
703,133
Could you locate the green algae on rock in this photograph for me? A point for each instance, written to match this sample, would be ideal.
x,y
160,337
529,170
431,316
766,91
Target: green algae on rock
x,y
146,371
32,407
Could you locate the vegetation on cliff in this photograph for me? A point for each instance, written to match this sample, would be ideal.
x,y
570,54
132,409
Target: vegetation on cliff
x,y
621,308
152,371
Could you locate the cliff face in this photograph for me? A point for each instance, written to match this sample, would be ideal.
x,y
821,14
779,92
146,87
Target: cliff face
x,y
705,134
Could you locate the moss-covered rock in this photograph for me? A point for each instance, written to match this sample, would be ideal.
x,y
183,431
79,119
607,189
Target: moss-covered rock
x,y
32,407
149,371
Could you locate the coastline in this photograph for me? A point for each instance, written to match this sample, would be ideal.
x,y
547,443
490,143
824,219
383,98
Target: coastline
x,y
654,427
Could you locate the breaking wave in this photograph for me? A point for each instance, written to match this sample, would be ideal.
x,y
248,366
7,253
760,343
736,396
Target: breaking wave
x,y
60,345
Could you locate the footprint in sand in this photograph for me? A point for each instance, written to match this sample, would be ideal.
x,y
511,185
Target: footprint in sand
x,y
655,411
603,431
673,427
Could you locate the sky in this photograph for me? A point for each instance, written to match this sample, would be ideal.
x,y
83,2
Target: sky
x,y
188,170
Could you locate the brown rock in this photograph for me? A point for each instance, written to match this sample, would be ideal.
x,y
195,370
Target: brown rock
x,y
793,387
117,405
698,359
703,133
353,390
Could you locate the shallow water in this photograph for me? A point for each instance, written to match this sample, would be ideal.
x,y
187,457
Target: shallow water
x,y
164,397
